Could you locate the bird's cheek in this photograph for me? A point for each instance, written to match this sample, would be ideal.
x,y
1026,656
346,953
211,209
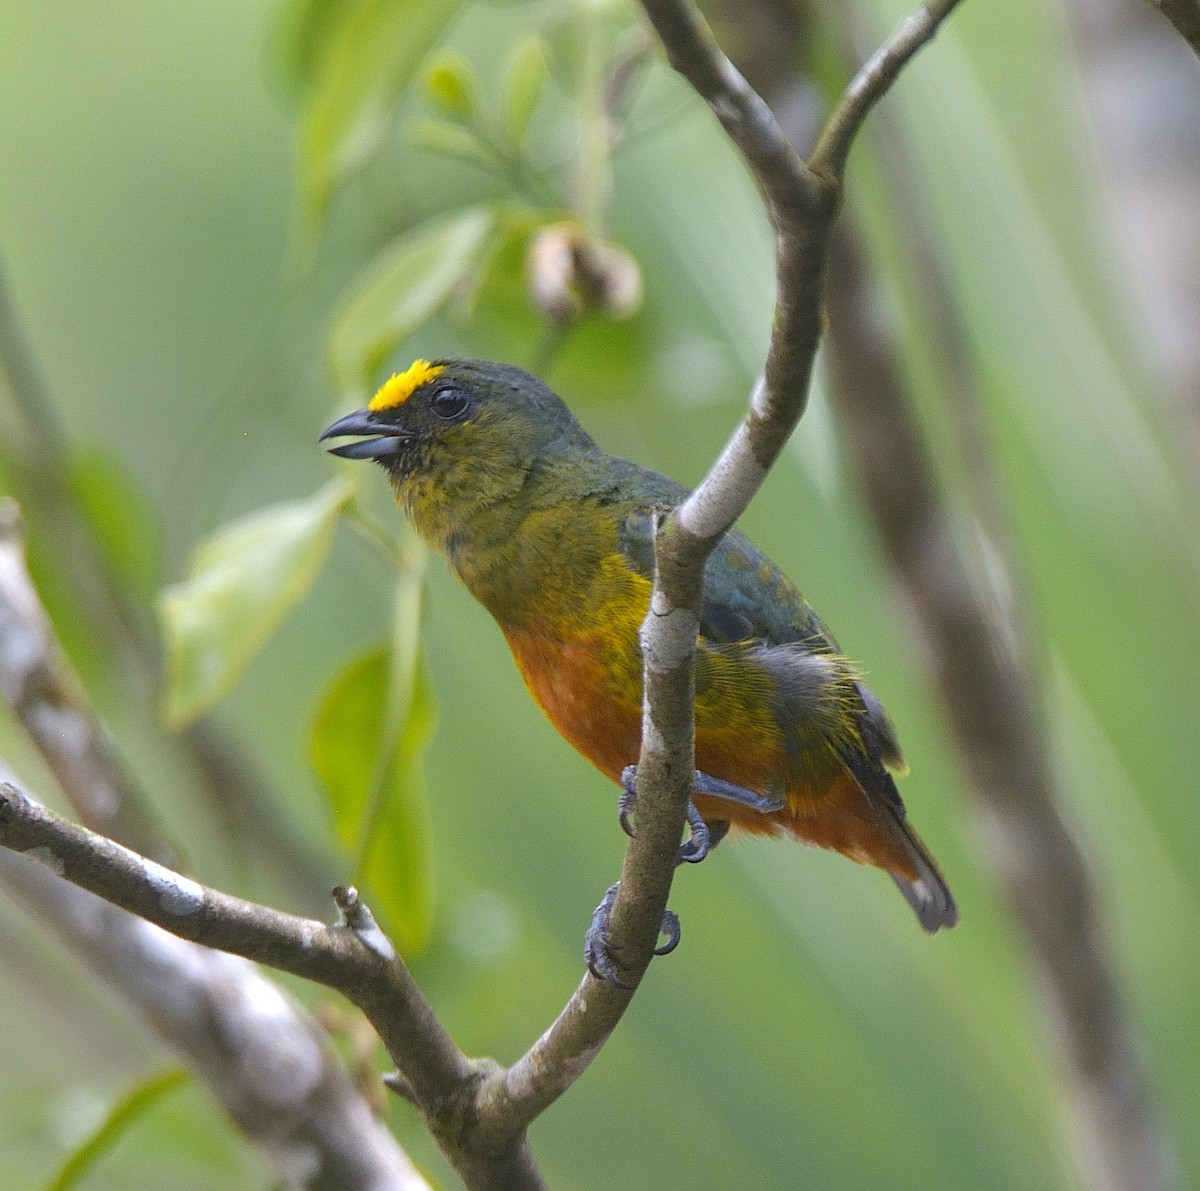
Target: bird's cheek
x,y
409,460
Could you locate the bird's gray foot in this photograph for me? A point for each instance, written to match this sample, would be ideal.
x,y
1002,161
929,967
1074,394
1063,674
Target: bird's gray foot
x,y
598,951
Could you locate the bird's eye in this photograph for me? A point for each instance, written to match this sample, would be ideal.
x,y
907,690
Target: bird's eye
x,y
449,402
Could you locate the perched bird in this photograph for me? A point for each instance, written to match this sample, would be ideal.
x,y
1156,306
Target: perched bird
x,y
554,537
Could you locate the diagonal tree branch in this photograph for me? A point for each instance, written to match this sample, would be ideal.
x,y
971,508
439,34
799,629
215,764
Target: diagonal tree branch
x,y
988,689
802,200
988,695
268,1063
354,958
39,686
158,974
35,420
802,204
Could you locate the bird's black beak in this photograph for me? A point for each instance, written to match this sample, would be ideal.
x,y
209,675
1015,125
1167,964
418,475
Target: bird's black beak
x,y
384,440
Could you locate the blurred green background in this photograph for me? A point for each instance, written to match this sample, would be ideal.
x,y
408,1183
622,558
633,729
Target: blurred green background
x,y
180,239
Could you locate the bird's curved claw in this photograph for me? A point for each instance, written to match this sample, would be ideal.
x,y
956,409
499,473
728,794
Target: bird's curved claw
x,y
700,839
670,927
628,799
598,951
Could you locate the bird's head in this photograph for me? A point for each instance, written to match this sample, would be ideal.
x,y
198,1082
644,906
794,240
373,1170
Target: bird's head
x,y
458,435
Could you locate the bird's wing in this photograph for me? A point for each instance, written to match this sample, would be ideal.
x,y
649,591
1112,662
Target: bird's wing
x,y
749,601
750,605
746,596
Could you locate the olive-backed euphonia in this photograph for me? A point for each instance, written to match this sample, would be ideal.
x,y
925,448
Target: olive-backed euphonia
x,y
554,537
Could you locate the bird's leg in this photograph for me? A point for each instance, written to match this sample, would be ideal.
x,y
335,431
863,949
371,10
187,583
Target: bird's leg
x,y
704,837
598,951
714,787
699,840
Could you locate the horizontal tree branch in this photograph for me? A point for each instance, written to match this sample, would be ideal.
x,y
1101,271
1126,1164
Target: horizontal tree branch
x,y
354,958
329,1125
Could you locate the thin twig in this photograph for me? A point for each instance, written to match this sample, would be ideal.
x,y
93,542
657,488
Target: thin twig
x,y
22,377
873,80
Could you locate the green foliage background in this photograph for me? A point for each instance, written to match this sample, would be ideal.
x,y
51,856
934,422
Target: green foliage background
x,y
181,228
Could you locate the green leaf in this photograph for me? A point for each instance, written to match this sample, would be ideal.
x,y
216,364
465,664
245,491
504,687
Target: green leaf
x,y
121,519
398,861
124,1114
301,32
450,85
370,54
524,79
244,581
400,290
368,745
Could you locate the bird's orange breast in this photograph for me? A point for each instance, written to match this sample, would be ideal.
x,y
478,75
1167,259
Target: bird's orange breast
x,y
590,688
577,683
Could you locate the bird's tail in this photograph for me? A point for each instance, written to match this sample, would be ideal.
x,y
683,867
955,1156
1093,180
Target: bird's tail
x,y
927,892
899,849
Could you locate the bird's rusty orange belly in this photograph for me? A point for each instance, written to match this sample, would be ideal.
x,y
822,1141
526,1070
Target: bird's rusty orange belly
x,y
595,702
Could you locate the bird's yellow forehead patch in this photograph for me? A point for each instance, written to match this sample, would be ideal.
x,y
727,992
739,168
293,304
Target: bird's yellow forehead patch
x,y
400,387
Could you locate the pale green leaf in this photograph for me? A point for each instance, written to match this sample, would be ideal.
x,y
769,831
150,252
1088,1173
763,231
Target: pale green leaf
x,y
301,33
124,1114
367,747
398,861
400,290
121,519
450,140
345,740
523,82
243,582
369,56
